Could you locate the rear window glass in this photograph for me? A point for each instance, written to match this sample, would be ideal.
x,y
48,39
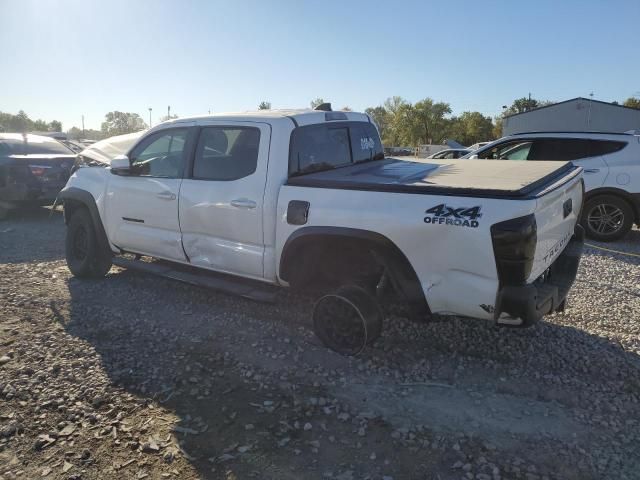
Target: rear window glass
x,y
325,146
605,147
33,146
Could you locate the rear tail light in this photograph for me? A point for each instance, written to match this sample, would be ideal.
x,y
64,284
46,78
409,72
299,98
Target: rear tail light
x,y
514,247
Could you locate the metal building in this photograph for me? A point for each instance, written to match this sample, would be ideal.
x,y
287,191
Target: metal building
x,y
575,115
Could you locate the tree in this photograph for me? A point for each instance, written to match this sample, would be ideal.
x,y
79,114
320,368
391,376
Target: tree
x,y
119,123
471,127
55,126
525,104
382,119
168,117
264,105
632,102
316,102
497,127
426,122
346,109
40,126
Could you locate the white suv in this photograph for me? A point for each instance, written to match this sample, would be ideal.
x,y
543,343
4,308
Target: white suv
x,y
611,163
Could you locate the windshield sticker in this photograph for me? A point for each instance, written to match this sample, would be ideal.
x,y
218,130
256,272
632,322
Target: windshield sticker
x,y
457,216
367,143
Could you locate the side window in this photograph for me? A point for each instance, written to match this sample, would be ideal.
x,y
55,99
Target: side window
x,y
559,149
516,150
365,143
605,147
160,155
226,153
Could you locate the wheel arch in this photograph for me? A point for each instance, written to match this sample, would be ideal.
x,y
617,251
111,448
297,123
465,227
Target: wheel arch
x,y
74,198
305,240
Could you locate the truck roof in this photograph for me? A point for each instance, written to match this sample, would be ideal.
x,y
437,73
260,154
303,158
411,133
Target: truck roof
x,y
299,117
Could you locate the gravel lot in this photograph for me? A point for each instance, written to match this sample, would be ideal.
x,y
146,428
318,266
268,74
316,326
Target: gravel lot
x,y
134,376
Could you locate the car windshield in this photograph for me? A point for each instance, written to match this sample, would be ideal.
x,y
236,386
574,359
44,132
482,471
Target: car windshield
x,y
32,145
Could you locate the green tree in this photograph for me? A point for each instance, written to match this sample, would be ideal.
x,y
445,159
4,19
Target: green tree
x,y
632,102
382,119
119,123
316,102
55,126
427,122
264,105
497,127
470,128
525,104
40,126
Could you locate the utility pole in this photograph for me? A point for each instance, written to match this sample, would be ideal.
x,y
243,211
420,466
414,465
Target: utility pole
x,y
169,112
589,114
150,116
82,126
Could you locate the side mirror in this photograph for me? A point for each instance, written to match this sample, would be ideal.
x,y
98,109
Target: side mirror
x,y
120,165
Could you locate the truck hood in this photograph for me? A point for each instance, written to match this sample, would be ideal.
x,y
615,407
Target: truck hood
x,y
494,178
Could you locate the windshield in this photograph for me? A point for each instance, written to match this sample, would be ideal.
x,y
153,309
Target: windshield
x,y
34,145
336,144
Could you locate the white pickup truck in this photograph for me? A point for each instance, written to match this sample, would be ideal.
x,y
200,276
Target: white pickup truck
x,y
307,199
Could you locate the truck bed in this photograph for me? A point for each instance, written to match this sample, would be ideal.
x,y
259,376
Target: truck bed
x,y
470,178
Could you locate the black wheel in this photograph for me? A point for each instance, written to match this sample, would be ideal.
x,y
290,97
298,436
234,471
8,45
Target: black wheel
x,y
347,320
85,257
607,218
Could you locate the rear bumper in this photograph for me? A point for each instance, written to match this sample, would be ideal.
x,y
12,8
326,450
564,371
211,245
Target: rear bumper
x,y
524,305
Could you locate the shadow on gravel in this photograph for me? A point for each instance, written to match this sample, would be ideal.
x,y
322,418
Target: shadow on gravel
x,y
30,235
169,342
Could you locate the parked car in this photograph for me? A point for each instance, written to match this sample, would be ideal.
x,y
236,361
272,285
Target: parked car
x,y
33,169
451,153
307,199
611,163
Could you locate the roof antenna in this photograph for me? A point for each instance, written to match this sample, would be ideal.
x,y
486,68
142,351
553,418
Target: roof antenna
x,y
324,107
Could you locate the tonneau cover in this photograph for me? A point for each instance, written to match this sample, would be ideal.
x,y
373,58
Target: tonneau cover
x,y
477,178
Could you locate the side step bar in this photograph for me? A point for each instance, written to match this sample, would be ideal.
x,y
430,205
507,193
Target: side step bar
x,y
250,289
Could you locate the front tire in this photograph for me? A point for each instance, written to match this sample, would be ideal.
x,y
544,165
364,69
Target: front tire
x,y
85,257
607,218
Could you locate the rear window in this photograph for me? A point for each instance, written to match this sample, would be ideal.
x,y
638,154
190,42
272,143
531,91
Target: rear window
x,y
330,145
33,146
605,147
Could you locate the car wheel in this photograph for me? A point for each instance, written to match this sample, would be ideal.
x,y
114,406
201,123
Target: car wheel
x,y
347,320
607,218
85,258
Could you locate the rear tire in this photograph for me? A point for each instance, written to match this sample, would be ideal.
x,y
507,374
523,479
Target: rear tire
x,y
607,218
85,257
347,320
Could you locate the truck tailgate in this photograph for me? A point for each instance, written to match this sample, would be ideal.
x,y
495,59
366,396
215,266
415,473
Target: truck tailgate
x,y
557,212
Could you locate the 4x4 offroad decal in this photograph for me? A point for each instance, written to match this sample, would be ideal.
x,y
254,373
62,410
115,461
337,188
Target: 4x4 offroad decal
x,y
459,216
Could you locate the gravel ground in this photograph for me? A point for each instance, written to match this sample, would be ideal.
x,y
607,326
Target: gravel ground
x,y
134,376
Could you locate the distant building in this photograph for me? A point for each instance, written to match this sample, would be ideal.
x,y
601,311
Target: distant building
x,y
575,115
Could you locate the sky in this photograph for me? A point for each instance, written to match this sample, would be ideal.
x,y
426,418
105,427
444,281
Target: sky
x,y
68,58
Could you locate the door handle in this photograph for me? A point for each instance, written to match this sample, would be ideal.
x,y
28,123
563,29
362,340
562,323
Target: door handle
x,y
243,203
166,195
592,170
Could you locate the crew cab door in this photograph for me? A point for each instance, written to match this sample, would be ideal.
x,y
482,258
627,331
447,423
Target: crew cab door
x,y
142,206
221,199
